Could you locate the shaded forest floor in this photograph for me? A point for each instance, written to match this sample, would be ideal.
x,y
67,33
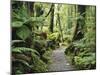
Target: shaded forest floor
x,y
59,61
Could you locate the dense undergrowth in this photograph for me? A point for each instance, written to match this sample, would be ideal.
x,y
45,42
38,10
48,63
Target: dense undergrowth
x,y
31,48
82,51
39,28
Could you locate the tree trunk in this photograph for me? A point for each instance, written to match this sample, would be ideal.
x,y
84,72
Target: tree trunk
x,y
52,19
78,33
30,8
60,27
49,10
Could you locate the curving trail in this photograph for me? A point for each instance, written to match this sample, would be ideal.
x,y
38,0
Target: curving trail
x,y
59,62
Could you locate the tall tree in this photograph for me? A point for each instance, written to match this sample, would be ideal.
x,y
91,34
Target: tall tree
x,y
59,23
52,19
30,7
78,33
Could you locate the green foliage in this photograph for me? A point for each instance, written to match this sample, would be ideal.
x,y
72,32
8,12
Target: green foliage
x,y
67,38
39,45
21,17
38,9
28,60
86,62
23,66
17,24
20,14
81,55
82,52
53,36
23,32
23,49
39,65
69,49
54,40
36,19
46,56
29,20
25,63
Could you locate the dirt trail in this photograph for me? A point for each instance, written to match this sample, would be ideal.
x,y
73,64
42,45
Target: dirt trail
x,y
59,62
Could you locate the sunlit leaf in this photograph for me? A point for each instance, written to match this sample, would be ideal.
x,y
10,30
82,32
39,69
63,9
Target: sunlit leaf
x,y
17,24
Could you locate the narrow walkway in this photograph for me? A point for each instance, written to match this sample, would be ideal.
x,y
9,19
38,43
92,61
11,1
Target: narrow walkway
x,y
59,62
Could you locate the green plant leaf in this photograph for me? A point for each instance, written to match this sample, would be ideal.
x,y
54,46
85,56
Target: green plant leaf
x,y
23,49
23,32
17,24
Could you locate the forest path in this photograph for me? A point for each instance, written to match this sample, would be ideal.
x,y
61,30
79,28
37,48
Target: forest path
x,y
59,61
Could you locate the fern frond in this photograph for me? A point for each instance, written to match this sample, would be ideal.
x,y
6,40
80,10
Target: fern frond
x,y
23,49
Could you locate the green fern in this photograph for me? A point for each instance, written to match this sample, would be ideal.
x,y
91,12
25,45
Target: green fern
x,y
17,24
85,62
21,66
39,65
23,32
23,49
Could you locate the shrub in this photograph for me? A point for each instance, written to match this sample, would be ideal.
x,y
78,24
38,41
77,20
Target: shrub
x,y
46,56
39,45
85,62
27,60
39,65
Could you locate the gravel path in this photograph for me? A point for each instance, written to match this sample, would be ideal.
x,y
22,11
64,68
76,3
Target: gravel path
x,y
59,62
